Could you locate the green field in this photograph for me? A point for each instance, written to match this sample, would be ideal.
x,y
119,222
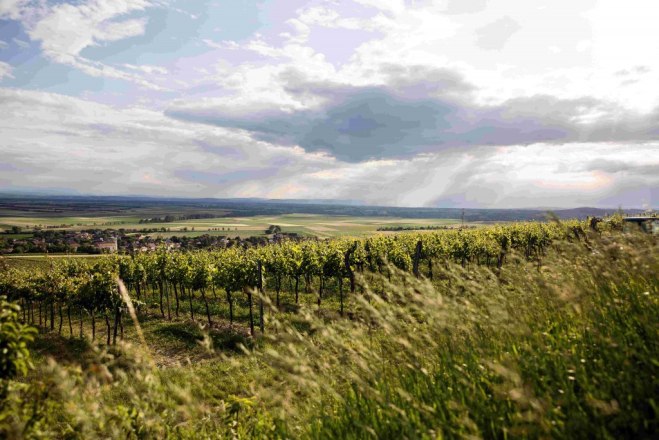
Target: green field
x,y
322,226
41,261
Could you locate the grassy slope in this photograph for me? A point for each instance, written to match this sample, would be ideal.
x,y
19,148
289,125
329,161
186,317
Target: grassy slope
x,y
566,348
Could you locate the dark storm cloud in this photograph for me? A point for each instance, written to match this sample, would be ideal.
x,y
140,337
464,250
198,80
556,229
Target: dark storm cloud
x,y
411,115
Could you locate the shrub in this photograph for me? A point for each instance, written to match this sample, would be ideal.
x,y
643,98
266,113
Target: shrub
x,y
14,337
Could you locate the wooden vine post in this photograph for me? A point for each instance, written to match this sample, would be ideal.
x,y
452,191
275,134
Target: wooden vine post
x,y
259,285
251,312
351,275
417,258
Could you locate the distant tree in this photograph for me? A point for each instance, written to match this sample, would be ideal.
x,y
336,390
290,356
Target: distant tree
x,y
273,229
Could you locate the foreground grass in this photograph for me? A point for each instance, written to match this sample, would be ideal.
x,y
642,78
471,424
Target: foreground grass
x,y
563,348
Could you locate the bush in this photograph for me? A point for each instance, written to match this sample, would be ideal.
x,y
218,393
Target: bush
x,y
14,337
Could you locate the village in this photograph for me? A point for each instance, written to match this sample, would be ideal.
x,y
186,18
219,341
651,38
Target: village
x,y
124,241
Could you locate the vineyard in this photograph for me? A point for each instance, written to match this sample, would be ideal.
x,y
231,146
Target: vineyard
x,y
212,286
533,330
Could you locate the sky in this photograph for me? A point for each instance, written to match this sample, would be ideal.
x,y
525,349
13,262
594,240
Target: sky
x,y
451,103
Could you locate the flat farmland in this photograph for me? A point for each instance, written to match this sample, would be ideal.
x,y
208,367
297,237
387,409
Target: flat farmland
x,y
323,226
304,224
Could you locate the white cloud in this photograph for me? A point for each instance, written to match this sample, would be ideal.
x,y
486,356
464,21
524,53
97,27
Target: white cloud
x,y
150,70
67,29
325,16
531,84
114,31
5,70
390,6
56,141
64,30
53,140
20,43
596,39
561,176
12,9
566,51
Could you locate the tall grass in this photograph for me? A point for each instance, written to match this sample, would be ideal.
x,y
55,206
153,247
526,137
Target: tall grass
x,y
563,347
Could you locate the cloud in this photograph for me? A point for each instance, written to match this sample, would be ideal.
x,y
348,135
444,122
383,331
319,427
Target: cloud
x,y
642,166
540,175
5,70
398,95
12,9
64,30
150,70
465,6
389,6
54,141
419,111
20,43
494,36
463,103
